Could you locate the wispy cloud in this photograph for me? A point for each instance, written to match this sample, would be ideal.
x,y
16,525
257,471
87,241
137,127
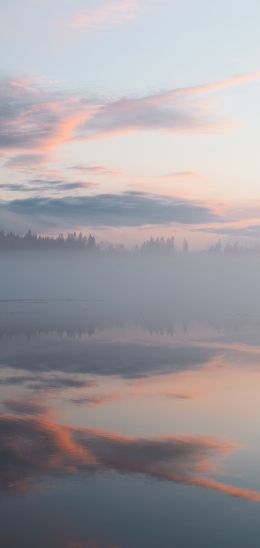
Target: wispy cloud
x,y
176,110
37,119
110,210
48,186
179,175
107,13
22,162
95,169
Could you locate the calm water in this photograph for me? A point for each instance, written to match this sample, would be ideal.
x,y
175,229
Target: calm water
x,y
128,430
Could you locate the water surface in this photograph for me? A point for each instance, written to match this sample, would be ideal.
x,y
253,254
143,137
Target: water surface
x,y
127,427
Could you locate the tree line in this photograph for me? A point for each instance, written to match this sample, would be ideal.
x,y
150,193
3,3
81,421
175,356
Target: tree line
x,y
33,241
78,241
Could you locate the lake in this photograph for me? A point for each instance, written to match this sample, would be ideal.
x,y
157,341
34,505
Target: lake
x,y
128,426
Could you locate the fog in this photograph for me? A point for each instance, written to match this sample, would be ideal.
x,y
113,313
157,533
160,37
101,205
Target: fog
x,y
184,286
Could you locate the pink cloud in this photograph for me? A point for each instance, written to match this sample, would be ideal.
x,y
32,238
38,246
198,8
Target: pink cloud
x,y
95,169
212,86
180,175
114,13
35,118
178,110
38,119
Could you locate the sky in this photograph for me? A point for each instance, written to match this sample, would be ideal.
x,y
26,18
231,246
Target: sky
x,y
131,118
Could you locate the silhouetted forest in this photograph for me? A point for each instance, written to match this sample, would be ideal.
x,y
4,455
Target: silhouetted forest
x,y
11,240
78,241
74,241
219,247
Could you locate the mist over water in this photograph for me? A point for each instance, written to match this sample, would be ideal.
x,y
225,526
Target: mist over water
x,y
129,274
129,400
200,283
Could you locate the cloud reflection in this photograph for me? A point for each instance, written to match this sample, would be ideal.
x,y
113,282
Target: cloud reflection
x,y
35,447
93,400
127,360
52,382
